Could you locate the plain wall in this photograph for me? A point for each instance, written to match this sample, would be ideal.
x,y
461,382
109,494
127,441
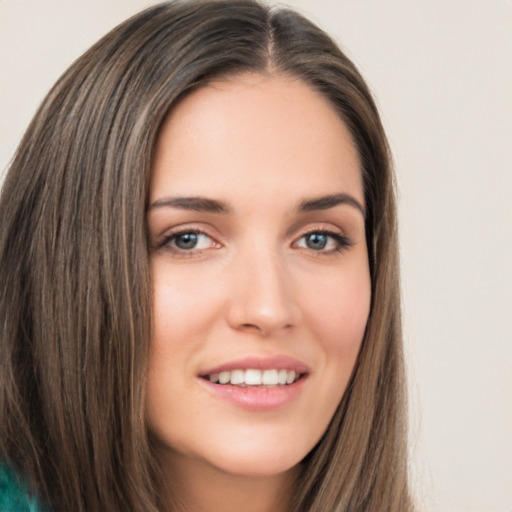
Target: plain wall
x,y
441,71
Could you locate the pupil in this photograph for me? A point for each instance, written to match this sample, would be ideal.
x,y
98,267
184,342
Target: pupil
x,y
316,241
186,241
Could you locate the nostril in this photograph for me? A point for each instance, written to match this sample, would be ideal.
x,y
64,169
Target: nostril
x,y
263,328
253,327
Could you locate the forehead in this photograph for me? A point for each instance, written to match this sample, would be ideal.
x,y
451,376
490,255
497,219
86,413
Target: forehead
x,y
255,133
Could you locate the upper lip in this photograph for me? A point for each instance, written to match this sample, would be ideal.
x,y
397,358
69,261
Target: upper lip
x,y
280,362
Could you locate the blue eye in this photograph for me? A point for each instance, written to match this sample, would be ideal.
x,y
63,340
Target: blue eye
x,y
316,241
188,241
323,241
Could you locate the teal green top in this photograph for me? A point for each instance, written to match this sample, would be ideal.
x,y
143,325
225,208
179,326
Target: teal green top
x,y
14,496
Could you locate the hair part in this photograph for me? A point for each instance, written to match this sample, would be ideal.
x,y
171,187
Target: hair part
x,y
75,287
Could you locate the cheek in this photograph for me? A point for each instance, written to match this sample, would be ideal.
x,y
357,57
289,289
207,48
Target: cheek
x,y
176,337
184,308
337,316
336,313
339,308
184,304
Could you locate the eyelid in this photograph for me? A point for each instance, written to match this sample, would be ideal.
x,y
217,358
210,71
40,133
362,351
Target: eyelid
x,y
341,239
163,242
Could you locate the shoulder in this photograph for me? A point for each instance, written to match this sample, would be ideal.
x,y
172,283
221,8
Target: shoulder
x,y
14,496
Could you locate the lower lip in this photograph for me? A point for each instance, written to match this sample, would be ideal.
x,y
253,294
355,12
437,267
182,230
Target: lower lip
x,y
256,398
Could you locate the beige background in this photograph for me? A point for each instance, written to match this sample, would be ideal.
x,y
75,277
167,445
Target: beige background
x,y
442,74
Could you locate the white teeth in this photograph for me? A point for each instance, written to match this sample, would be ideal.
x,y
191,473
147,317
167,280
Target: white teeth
x,y
270,377
224,377
254,377
237,377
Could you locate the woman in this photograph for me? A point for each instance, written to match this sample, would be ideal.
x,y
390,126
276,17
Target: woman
x,y
200,299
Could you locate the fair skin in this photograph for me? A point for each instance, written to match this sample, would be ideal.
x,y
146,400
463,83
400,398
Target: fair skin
x,y
260,273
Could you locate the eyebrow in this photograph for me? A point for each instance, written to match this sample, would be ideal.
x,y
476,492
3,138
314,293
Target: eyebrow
x,y
330,201
204,204
199,204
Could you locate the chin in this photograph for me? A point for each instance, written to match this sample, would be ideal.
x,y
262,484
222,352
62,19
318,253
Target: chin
x,y
262,458
257,466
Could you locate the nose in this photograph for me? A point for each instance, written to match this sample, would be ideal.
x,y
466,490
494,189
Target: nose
x,y
262,298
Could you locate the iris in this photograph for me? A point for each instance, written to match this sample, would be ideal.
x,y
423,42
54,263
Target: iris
x,y
186,240
316,241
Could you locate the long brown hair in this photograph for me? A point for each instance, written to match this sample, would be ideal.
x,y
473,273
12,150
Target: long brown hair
x,y
75,300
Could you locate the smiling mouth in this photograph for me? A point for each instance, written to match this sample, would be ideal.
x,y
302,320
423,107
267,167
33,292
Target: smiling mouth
x,y
252,377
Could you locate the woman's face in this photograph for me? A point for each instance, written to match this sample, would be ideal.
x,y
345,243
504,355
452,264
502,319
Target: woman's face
x,y
260,275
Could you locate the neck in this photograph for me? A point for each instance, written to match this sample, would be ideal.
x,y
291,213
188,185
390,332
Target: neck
x,y
192,485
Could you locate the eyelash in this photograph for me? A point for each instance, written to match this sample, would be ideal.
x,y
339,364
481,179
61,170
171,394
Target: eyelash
x,y
342,242
169,239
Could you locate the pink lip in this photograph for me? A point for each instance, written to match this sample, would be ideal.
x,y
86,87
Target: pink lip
x,y
260,363
257,398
